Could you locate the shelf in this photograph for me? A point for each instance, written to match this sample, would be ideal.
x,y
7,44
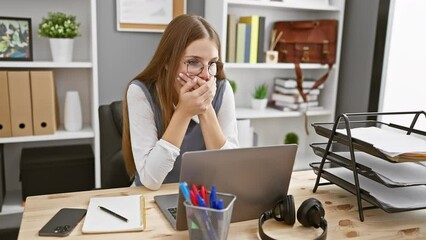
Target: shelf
x,y
248,113
12,203
278,4
268,123
273,66
45,64
61,134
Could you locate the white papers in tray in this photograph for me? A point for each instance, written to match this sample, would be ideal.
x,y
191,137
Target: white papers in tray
x,y
401,198
389,142
405,173
130,207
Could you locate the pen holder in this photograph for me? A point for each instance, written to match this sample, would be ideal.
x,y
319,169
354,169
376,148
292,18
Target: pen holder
x,y
209,223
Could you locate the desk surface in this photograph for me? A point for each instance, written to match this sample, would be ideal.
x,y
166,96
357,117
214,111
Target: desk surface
x,y
340,208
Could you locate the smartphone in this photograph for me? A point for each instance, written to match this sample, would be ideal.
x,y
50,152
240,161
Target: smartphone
x,y
63,222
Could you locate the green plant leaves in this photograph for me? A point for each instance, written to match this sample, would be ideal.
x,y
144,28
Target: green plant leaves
x,y
261,91
59,25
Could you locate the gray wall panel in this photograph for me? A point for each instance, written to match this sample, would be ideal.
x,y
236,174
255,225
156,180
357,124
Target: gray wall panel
x,y
122,55
357,55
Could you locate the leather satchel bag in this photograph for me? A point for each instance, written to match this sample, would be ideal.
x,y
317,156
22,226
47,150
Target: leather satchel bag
x,y
311,41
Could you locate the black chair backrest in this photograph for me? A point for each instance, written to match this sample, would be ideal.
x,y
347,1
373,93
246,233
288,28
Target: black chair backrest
x,y
117,115
113,171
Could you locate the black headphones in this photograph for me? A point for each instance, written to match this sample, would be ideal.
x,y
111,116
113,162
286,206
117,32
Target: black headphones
x,y
310,214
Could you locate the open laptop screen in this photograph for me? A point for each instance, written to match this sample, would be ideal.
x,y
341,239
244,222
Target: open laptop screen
x,y
258,176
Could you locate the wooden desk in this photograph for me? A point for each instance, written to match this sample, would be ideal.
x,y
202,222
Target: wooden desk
x,y
340,208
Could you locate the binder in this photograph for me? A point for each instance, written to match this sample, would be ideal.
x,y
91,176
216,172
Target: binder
x,y
5,128
43,95
2,177
20,103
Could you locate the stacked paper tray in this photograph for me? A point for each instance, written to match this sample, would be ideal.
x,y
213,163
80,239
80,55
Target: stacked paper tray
x,y
387,173
391,200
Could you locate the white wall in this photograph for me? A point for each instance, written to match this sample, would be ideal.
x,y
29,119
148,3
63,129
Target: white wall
x,y
404,71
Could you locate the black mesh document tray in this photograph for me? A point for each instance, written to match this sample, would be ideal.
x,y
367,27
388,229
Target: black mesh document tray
x,y
368,172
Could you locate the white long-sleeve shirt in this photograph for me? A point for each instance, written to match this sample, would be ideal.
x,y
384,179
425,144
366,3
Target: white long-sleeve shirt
x,y
154,158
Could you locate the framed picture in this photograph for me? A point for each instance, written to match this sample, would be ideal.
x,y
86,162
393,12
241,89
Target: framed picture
x,y
15,39
147,15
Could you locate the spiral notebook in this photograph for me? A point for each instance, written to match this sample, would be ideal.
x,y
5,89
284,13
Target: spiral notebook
x,y
130,207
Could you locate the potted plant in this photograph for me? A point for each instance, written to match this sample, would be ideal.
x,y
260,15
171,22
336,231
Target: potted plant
x,y
233,85
290,138
260,94
61,29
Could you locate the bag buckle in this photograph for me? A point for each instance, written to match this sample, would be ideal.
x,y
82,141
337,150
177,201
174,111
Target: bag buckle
x,y
325,47
305,54
283,51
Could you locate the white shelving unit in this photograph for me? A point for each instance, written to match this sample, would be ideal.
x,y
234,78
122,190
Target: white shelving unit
x,y
80,75
271,125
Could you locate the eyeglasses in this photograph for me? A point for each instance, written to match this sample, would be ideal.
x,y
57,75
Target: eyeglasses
x,y
194,67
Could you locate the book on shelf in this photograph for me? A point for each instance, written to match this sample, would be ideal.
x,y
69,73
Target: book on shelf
x,y
242,42
253,21
261,41
297,106
284,90
280,108
293,98
307,83
231,38
247,43
273,105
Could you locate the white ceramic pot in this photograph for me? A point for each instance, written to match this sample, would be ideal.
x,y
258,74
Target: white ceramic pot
x,y
73,120
62,49
259,104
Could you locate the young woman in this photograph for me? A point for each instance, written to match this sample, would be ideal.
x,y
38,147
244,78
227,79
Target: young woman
x,y
180,102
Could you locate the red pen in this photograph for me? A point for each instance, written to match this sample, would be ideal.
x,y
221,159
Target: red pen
x,y
203,193
193,198
194,188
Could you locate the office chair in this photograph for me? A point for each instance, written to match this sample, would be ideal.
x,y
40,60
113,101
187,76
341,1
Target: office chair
x,y
113,171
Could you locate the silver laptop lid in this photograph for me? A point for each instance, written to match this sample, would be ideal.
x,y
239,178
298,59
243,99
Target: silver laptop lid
x,y
258,176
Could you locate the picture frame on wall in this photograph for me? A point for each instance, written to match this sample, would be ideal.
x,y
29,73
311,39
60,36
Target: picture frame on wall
x,y
15,39
147,15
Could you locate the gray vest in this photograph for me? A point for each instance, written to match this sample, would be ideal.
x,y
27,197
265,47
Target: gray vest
x,y
193,140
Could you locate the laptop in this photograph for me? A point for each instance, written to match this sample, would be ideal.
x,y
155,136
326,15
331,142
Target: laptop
x,y
258,176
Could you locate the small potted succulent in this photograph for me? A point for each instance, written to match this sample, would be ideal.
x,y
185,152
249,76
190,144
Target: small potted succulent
x,y
260,95
61,29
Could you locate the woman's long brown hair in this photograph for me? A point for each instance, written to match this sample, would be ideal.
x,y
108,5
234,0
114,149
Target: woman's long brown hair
x,y
161,72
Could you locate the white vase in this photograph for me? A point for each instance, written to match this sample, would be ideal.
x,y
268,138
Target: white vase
x,y
62,49
259,104
73,120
